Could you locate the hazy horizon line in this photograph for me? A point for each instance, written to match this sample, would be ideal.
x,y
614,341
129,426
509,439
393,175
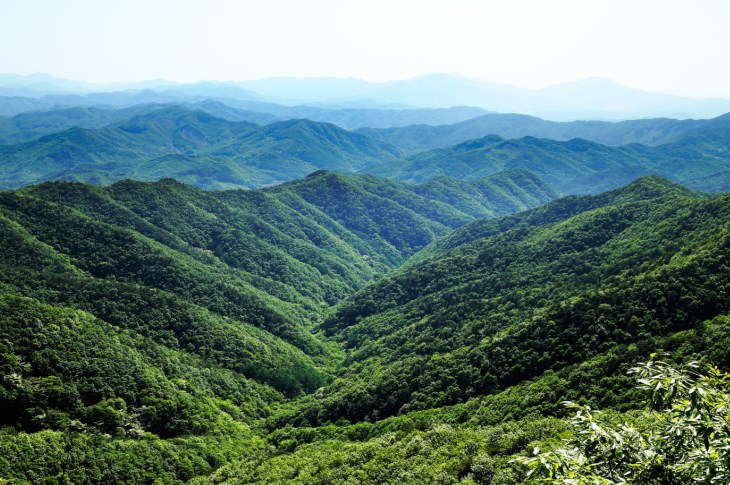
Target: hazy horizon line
x,y
101,84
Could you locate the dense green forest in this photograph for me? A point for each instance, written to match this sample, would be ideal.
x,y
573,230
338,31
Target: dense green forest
x,y
339,328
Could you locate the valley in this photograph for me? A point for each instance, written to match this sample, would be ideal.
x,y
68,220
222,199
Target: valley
x,y
206,291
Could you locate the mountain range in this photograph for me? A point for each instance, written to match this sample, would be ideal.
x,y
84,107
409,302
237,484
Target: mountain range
x,y
150,142
697,158
337,326
421,137
593,98
332,281
192,146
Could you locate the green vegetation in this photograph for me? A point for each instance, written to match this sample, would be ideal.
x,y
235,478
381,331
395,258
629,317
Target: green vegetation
x,y
684,437
192,146
548,289
215,146
348,329
421,137
698,157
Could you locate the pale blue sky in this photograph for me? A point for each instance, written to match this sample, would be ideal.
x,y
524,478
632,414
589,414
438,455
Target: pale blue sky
x,y
663,45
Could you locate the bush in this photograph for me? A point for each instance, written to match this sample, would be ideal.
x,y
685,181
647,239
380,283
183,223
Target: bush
x,y
683,437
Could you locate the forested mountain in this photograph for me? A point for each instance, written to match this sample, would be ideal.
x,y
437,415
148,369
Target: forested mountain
x,y
251,109
502,283
151,142
270,259
652,132
336,326
699,158
192,146
156,330
152,311
526,310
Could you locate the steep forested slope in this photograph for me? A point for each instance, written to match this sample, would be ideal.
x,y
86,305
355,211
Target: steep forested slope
x,y
502,301
156,330
238,278
507,317
405,218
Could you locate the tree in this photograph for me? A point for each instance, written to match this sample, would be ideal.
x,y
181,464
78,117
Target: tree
x,y
683,437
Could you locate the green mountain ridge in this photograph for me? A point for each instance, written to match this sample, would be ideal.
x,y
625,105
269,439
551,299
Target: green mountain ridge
x,y
651,132
469,347
197,147
192,144
577,166
337,327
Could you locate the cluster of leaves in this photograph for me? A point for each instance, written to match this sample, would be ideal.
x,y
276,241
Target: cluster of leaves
x,y
684,437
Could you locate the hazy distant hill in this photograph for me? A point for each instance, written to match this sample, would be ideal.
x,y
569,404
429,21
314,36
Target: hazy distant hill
x,y
652,132
353,118
194,146
579,166
593,98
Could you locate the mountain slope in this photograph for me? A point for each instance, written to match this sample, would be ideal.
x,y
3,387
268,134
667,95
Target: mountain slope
x,y
652,132
403,218
159,330
263,263
576,166
562,164
150,326
194,146
292,149
510,299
